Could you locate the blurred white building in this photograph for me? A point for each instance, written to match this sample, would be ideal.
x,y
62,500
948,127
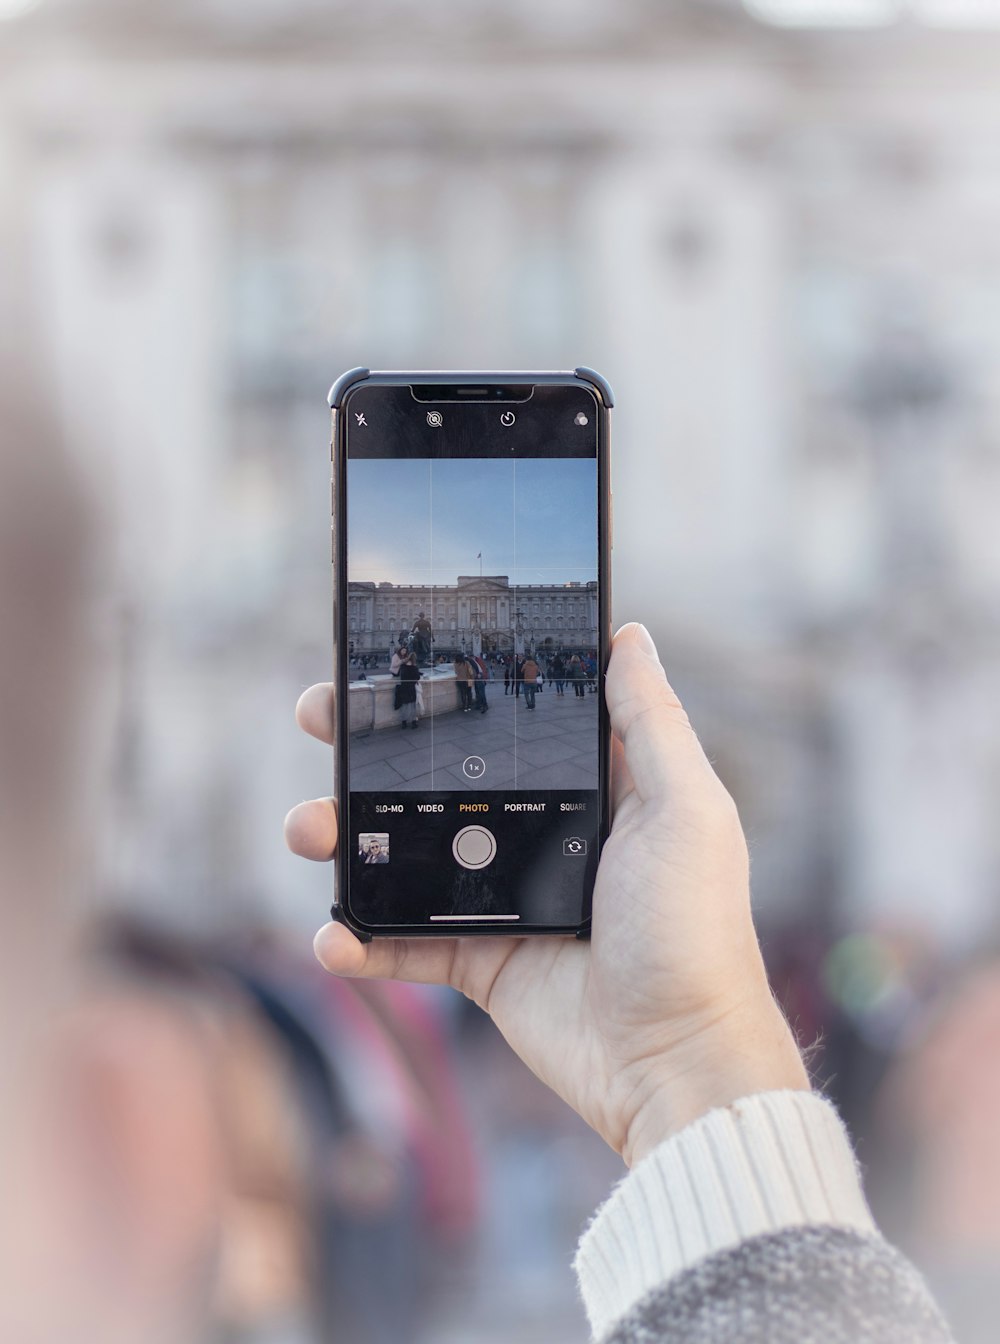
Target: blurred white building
x,y
781,244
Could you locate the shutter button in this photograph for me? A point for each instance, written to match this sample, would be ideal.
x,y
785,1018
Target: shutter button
x,y
474,847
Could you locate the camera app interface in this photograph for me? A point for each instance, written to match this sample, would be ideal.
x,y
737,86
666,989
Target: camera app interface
x,y
472,636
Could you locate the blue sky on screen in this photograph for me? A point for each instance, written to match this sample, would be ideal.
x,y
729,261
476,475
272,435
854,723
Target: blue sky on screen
x,y
422,521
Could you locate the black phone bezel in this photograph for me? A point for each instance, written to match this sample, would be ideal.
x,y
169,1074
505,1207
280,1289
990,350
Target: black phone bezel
x,y
338,396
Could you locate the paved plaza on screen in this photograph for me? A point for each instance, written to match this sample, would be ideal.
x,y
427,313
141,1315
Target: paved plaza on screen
x,y
554,746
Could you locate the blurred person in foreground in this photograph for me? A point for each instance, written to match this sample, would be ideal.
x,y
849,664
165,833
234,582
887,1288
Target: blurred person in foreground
x,y
108,1168
743,1218
120,1133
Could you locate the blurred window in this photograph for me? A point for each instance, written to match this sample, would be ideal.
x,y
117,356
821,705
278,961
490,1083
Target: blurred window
x,y
825,13
958,13
875,13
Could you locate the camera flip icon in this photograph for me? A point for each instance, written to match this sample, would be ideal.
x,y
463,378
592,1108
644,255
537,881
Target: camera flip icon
x,y
573,846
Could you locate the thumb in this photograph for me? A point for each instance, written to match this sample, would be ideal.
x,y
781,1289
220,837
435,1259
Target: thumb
x,y
661,749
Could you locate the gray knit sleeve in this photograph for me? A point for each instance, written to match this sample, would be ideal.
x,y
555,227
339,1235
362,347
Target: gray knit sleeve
x,y
803,1285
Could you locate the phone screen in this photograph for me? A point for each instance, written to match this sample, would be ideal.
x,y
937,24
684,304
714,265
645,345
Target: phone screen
x,y
472,652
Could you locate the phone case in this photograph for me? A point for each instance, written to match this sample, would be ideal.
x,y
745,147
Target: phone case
x,y
335,398
468,378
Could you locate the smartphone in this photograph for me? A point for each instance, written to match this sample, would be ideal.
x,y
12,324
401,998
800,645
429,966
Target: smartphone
x,y
471,517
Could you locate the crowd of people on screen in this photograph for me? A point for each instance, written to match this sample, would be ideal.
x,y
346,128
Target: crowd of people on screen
x,y
523,675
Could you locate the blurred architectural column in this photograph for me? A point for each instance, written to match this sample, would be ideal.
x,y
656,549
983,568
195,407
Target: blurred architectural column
x,y
917,672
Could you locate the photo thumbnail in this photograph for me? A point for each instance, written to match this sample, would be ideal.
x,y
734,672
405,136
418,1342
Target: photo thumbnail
x,y
373,847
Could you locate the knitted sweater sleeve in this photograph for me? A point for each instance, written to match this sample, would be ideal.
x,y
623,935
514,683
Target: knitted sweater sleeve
x,y
750,1225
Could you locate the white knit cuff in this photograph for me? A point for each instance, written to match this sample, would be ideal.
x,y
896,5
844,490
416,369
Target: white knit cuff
x,y
766,1162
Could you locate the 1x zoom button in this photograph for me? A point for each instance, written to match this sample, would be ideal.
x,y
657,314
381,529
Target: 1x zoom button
x,y
474,847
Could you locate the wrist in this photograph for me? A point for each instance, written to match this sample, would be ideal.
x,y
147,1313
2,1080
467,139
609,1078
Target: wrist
x,y
746,1053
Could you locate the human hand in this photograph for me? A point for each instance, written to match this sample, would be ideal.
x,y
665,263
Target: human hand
x,y
666,1012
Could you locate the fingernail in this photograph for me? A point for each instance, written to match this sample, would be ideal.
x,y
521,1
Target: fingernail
x,y
645,640
320,936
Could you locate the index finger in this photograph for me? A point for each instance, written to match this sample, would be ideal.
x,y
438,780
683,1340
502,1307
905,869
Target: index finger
x,y
470,965
314,712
